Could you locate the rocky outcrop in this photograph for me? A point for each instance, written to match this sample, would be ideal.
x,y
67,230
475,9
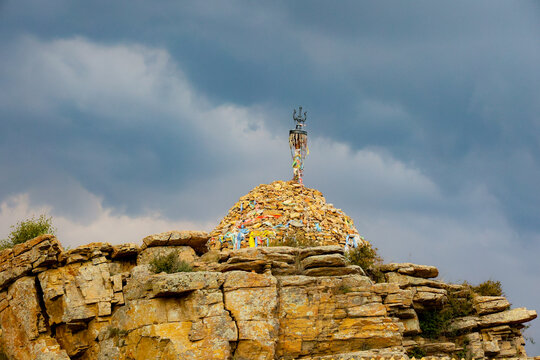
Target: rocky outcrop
x,y
490,330
419,271
194,239
490,304
100,301
30,257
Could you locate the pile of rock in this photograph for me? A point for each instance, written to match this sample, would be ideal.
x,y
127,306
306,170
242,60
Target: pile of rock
x,y
272,212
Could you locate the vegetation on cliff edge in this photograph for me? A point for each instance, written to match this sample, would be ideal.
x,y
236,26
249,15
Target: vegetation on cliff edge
x,y
28,229
294,237
489,288
169,264
368,259
435,322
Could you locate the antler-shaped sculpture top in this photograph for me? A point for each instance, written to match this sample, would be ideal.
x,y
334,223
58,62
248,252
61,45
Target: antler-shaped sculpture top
x,y
298,118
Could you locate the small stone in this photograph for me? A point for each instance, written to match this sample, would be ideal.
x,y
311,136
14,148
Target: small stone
x,y
104,308
442,347
255,265
117,282
465,323
332,260
422,271
197,331
490,304
367,310
118,298
411,326
334,271
320,250
180,283
513,316
195,239
428,296
242,279
125,251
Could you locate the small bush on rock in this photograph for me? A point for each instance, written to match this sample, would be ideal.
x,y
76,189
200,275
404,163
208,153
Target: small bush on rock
x,y
169,264
416,352
435,322
464,352
28,229
295,238
368,259
460,303
489,288
364,256
526,336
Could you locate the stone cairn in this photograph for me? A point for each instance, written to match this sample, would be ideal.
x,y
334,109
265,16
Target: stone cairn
x,y
270,213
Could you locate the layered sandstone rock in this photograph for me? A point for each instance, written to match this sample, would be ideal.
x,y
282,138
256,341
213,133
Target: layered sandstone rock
x,y
102,302
490,330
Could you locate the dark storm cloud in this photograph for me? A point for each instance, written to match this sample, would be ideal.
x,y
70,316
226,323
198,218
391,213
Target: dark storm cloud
x,y
463,77
59,119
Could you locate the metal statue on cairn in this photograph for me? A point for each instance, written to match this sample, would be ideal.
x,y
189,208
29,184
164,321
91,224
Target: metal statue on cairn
x,y
298,145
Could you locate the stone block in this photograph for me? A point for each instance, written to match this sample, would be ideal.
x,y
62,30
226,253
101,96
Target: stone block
x,y
490,304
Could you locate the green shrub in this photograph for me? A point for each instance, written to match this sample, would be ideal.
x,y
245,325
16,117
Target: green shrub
x,y
295,237
489,288
527,338
416,352
464,352
376,274
434,323
28,229
368,259
460,303
364,256
169,264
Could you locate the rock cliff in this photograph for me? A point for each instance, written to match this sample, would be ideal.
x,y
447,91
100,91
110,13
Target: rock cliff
x,y
100,301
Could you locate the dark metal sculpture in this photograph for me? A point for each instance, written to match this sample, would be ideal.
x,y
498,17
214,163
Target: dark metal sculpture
x,y
298,145
299,119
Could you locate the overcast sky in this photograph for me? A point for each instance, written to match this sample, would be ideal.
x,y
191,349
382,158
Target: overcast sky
x,y
121,119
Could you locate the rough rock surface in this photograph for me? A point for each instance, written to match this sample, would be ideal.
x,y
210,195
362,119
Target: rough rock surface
x,y
421,271
100,301
490,304
195,239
